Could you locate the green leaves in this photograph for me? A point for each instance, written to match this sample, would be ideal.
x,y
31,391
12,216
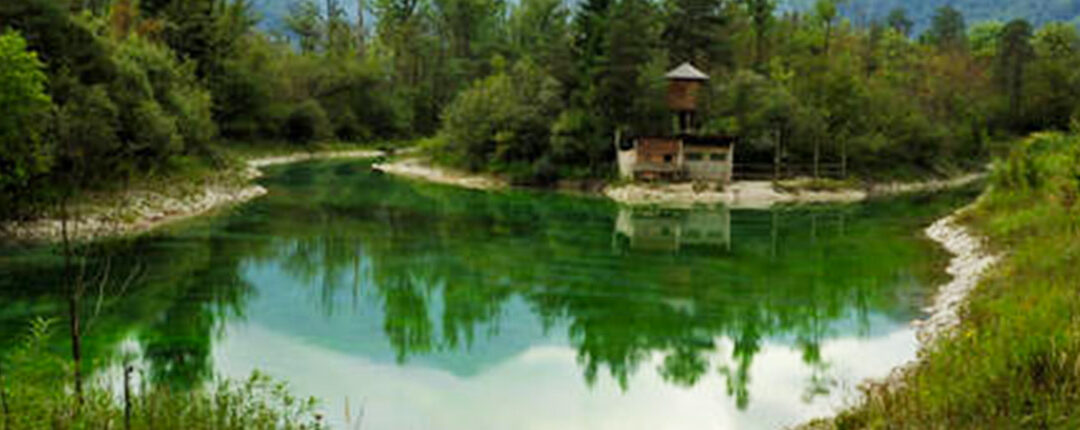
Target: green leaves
x,y
947,29
502,120
24,112
698,31
307,123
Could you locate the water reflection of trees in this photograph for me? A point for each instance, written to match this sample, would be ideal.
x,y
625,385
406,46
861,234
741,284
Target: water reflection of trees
x,y
792,274
443,264
184,288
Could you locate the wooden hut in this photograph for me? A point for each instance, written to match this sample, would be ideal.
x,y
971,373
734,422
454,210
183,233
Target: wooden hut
x,y
686,155
678,158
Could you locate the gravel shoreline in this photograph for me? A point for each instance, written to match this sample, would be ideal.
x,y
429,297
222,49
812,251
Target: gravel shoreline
x,y
969,264
739,195
762,194
305,156
138,211
416,168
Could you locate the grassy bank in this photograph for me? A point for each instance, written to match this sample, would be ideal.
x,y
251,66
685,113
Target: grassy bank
x,y
36,393
1015,360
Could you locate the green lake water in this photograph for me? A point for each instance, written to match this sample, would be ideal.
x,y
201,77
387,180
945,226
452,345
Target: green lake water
x,y
413,306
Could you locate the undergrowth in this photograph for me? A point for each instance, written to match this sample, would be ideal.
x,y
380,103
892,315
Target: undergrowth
x,y
36,393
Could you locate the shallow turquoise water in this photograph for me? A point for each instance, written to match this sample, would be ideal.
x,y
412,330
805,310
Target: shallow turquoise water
x,y
405,305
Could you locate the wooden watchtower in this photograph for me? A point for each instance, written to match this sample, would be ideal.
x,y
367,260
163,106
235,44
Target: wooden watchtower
x,y
684,85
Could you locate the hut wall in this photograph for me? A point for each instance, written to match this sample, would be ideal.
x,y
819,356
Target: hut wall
x,y
709,162
658,158
682,95
659,150
627,161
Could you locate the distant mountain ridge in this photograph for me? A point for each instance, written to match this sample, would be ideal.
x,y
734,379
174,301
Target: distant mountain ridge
x,y
1038,12
273,12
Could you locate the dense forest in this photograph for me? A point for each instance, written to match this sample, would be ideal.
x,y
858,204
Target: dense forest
x,y
99,91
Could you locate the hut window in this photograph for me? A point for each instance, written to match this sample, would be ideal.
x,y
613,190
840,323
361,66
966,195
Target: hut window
x,y
717,157
667,158
694,156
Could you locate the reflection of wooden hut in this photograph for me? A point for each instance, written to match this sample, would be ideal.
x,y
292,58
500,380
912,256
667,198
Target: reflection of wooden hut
x,y
646,229
649,231
685,156
711,229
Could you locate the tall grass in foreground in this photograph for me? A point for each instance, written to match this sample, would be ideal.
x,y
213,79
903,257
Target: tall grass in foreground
x,y
1015,360
35,393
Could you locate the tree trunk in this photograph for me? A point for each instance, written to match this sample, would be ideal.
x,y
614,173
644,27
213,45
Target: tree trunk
x,y
361,33
3,400
1017,90
774,232
331,31
817,158
759,47
843,158
828,37
777,135
76,345
127,396
73,302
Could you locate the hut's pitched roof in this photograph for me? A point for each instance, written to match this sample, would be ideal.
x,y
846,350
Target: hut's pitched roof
x,y
685,71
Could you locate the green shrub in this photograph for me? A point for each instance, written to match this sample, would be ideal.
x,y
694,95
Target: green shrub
x,y
164,110
88,123
24,112
307,123
503,122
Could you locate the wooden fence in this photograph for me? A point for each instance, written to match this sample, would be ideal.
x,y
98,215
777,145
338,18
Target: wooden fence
x,y
766,171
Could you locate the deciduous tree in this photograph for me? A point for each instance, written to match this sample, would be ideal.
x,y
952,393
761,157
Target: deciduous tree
x,y
1014,54
24,112
899,21
947,29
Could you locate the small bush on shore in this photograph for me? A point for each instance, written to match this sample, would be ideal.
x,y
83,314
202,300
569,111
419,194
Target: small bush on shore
x,y
307,123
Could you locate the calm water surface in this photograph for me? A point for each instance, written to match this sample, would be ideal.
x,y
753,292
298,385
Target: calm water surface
x,y
414,306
